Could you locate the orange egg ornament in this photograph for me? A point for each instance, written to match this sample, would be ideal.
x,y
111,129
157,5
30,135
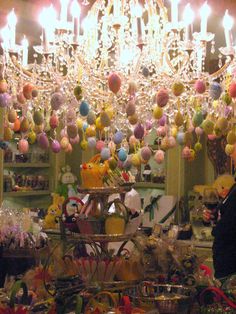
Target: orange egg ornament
x,y
27,90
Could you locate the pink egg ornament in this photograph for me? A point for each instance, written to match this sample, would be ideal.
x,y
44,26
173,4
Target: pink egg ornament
x,y
23,146
162,97
159,156
200,86
232,90
55,146
146,153
100,145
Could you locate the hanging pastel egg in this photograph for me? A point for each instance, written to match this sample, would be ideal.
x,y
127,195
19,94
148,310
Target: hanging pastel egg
x,y
231,137
174,131
159,156
20,98
84,144
226,98
114,82
145,72
130,108
133,119
232,90
215,90
172,141
23,146
132,88
133,140
118,137
12,115
177,88
162,121
188,138
57,100
112,163
43,141
55,146
7,134
79,123
148,125
84,108
165,143
90,131
64,142
228,111
110,111
161,131
3,86
122,154
208,126
157,112
54,121
180,138
70,116
91,117
198,131
72,130
162,97
27,90
92,142
75,140
200,86
63,133
139,131
221,124
105,153
100,145
69,148
211,137
192,155
189,125
38,117
5,99
16,125
197,118
98,124
146,153
24,125
136,160
105,120
186,152
198,147
32,137
78,92
229,149
179,120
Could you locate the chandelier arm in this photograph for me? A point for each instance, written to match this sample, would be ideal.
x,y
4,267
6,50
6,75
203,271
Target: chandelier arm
x,y
174,71
222,69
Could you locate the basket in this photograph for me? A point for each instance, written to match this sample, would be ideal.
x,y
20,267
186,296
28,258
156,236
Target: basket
x,y
92,173
165,298
90,225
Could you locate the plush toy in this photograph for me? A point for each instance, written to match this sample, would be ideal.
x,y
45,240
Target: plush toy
x,y
223,183
71,209
67,186
54,212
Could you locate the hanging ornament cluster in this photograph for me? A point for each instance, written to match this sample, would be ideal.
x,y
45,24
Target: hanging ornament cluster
x,y
178,114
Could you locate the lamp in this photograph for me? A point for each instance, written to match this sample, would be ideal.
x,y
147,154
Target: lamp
x,y
126,68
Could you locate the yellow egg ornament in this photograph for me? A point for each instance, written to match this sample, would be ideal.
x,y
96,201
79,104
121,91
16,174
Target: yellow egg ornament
x,y
7,134
79,124
64,142
174,131
110,112
32,137
157,112
229,149
90,131
231,137
84,144
136,160
98,124
179,120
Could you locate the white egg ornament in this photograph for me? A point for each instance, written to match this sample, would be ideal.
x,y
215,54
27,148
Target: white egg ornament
x,y
105,153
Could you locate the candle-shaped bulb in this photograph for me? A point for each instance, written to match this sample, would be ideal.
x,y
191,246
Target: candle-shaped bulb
x,y
5,37
138,13
12,19
25,45
174,12
75,12
188,15
138,10
205,11
63,12
228,23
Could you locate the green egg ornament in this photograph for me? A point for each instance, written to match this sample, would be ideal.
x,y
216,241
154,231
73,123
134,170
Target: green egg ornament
x,y
105,120
177,88
91,117
38,117
197,118
208,126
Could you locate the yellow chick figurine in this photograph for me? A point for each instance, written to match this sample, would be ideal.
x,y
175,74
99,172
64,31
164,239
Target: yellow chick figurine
x,y
54,212
222,184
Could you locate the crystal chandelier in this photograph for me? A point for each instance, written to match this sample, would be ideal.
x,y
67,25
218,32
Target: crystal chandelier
x,y
130,67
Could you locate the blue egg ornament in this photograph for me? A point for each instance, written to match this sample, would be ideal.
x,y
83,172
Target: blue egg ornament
x,y
84,108
122,154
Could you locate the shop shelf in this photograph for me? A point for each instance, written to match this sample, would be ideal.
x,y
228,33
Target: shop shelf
x,y
26,165
149,185
26,193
